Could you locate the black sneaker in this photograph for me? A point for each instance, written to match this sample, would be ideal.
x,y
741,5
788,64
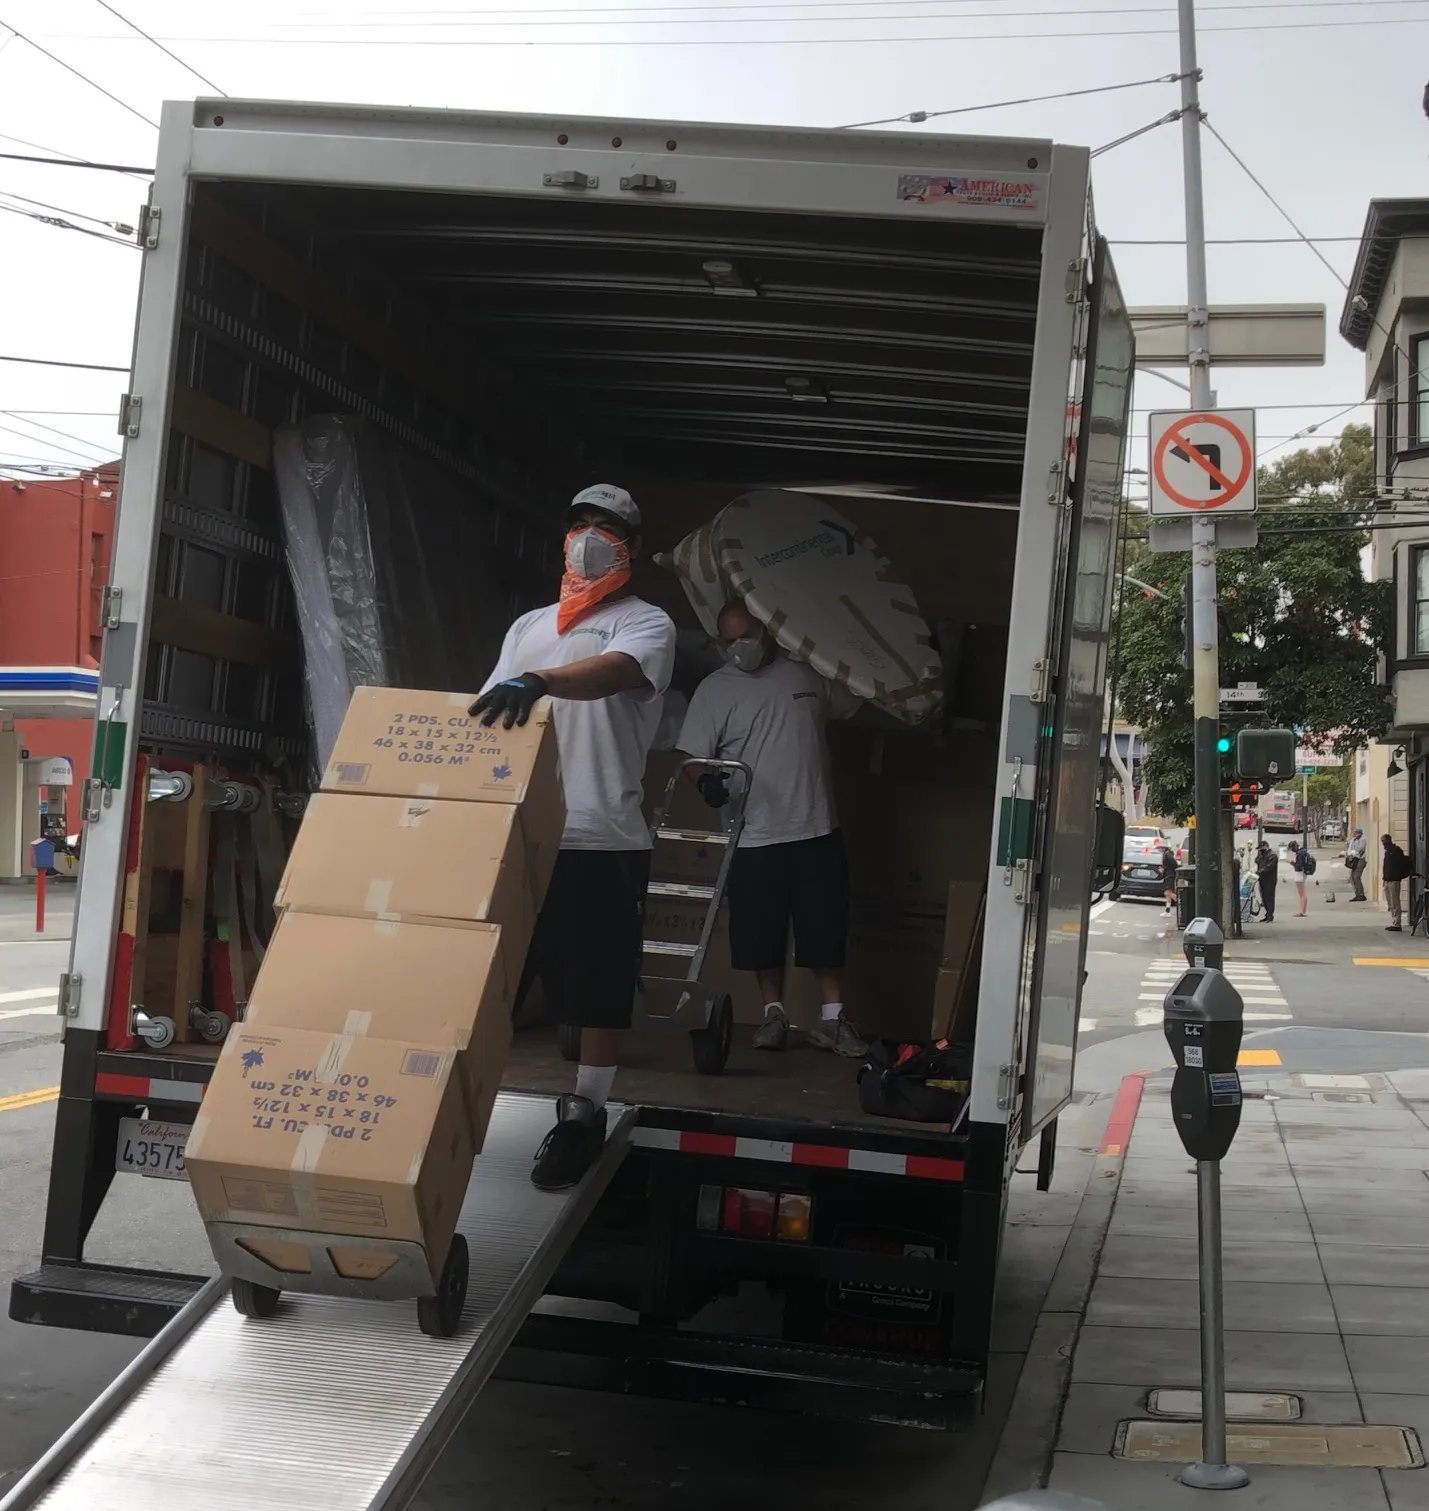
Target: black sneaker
x,y
572,1146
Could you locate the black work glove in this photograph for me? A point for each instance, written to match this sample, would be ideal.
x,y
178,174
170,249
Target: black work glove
x,y
713,788
511,701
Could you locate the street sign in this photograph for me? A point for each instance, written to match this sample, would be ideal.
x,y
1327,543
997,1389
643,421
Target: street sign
x,y
1239,335
1202,462
1244,692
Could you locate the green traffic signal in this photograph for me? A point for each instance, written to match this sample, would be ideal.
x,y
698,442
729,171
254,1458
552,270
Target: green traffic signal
x,y
1223,745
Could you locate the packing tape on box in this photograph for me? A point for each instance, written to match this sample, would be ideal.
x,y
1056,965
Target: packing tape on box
x,y
332,1059
379,894
413,813
429,789
356,1023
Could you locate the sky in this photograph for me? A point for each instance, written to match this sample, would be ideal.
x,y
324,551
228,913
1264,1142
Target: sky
x,y
1320,98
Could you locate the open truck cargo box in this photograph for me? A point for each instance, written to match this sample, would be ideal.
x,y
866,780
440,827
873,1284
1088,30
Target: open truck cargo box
x,y
925,331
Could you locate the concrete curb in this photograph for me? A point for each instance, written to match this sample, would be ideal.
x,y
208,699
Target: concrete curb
x,y
1023,1458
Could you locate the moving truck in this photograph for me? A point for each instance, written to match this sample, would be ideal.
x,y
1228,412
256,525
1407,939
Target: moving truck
x,y
926,330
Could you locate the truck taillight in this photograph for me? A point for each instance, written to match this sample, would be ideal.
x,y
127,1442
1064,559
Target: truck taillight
x,y
751,1212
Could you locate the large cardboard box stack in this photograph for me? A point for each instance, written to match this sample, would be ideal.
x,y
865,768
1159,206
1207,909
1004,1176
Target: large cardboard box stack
x,y
344,1113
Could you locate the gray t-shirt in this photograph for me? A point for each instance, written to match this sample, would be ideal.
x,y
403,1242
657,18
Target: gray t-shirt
x,y
773,720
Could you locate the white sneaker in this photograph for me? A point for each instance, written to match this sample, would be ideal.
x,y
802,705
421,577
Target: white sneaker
x,y
840,1036
773,1033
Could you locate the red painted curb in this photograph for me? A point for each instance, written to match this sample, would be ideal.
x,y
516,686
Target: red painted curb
x,y
1123,1115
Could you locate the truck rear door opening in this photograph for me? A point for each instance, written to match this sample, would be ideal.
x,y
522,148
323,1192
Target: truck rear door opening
x,y
924,332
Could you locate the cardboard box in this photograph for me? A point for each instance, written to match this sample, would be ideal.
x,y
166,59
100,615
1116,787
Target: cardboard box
x,y
413,859
397,742
335,975
335,1134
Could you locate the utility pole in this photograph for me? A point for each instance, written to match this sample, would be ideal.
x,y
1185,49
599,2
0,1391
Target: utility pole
x,y
1205,668
1212,1472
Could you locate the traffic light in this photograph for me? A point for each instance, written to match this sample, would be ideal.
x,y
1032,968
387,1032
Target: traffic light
x,y
1242,795
1223,741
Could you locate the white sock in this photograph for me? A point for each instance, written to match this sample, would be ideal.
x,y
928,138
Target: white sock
x,y
831,1010
773,1009
595,1081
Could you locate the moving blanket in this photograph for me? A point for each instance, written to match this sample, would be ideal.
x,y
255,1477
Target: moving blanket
x,y
819,584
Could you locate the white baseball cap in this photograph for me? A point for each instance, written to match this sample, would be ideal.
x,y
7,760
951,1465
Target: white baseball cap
x,y
614,501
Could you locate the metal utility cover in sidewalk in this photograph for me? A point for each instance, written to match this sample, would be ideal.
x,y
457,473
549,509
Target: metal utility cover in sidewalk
x,y
1289,1444
1241,1405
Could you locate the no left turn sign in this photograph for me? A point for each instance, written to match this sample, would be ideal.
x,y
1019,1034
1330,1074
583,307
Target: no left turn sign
x,y
1202,460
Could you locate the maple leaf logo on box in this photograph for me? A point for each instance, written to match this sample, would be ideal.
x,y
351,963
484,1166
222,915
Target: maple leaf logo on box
x,y
502,771
252,1059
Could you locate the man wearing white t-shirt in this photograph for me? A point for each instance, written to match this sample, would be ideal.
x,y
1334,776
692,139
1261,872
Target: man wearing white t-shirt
x,y
790,867
604,657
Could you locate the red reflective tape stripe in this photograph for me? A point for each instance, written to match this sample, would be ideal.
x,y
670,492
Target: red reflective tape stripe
x,y
107,1083
707,1143
821,1154
926,1167
1123,1115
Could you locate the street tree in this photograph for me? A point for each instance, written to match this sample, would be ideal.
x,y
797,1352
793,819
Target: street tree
x,y
1297,617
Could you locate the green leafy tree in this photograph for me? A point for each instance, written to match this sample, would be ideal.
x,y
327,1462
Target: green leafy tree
x,y
1297,617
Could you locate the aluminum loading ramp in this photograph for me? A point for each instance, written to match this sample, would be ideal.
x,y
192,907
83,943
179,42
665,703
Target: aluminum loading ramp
x,y
331,1405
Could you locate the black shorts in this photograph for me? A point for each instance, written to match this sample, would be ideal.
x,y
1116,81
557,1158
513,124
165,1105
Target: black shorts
x,y
804,883
589,935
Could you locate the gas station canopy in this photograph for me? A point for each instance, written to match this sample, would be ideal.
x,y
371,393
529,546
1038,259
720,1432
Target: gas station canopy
x,y
48,692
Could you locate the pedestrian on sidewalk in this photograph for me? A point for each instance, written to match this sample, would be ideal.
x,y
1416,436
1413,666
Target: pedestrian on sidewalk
x,y
1355,864
1168,878
1396,868
1303,864
1267,873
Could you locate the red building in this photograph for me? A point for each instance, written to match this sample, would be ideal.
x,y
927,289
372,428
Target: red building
x,y
56,535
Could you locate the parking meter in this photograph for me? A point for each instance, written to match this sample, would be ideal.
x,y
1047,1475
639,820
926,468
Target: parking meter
x,y
1204,944
1203,1018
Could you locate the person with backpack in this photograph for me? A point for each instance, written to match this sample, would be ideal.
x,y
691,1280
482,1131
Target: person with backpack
x,y
1396,869
1303,864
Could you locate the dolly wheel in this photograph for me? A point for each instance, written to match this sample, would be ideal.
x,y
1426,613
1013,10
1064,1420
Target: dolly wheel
x,y
253,1300
570,1037
439,1316
712,1042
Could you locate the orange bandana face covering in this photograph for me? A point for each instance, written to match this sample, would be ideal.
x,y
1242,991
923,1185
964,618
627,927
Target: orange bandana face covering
x,y
597,565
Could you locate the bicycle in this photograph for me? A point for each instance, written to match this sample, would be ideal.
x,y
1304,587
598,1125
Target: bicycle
x,y
1418,904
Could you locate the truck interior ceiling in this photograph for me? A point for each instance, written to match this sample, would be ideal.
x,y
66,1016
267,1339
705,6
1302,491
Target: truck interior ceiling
x,y
492,355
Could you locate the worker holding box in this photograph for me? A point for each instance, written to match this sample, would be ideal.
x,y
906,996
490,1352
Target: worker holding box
x,y
769,711
604,657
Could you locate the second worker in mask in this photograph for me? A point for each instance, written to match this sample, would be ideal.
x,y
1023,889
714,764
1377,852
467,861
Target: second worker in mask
x,y
770,712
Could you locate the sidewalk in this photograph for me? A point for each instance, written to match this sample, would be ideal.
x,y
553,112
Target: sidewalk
x,y
1335,932
1326,1221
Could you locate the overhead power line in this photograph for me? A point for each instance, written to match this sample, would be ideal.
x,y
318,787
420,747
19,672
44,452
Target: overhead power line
x,y
120,226
53,445
916,117
83,77
721,15
98,367
61,224
1029,36
24,418
188,68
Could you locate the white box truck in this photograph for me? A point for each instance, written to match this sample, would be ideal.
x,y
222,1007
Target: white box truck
x,y
928,330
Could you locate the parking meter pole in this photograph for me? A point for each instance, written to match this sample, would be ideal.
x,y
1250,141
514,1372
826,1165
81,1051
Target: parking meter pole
x,y
1204,1021
40,901
1212,1472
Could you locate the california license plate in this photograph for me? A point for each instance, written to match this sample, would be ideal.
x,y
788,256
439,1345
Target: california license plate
x,y
149,1148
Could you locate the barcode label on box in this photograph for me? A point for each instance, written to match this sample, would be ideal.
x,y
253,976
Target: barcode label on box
x,y
351,773
422,1062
